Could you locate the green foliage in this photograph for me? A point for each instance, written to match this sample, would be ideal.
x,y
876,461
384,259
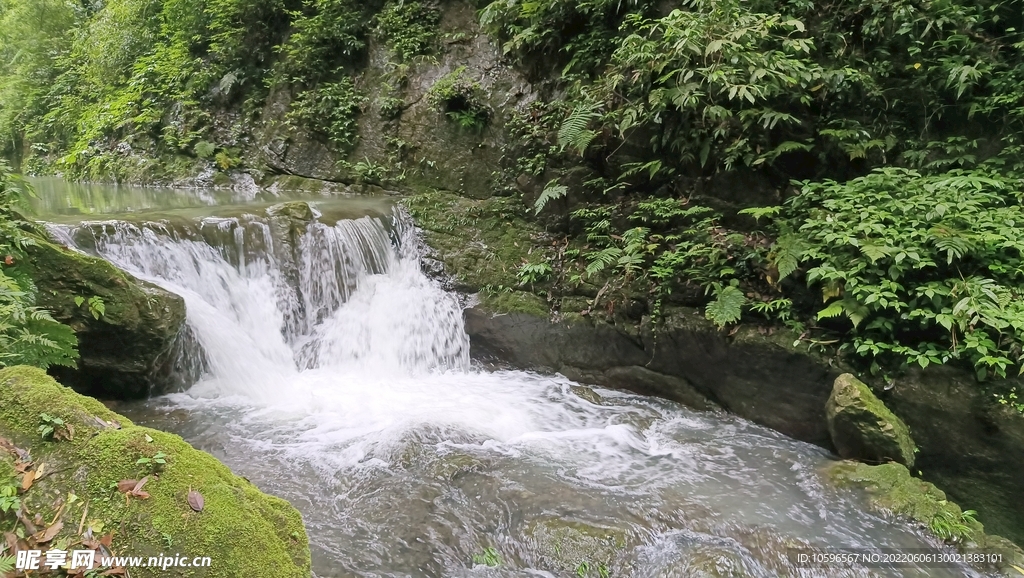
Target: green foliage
x,y
727,307
154,464
28,335
6,562
51,428
489,557
924,269
948,526
326,34
460,99
719,84
9,501
671,248
1011,399
532,273
408,28
550,193
330,111
368,171
204,149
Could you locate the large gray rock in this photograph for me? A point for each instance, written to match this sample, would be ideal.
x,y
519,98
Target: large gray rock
x,y
862,428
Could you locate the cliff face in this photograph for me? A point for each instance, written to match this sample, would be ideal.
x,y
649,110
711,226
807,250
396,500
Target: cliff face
x,y
404,133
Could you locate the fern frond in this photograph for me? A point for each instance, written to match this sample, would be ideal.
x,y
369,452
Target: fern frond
x,y
574,131
551,192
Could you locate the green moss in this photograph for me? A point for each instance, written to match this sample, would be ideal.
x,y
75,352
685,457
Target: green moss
x,y
7,471
574,548
863,428
891,489
243,531
515,302
482,244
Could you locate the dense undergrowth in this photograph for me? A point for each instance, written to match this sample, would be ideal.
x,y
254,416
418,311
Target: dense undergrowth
x,y
891,129
877,144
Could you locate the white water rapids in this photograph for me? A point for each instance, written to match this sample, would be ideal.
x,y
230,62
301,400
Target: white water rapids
x,y
334,373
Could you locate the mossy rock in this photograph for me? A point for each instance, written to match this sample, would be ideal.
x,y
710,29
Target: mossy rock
x,y
298,210
863,428
572,548
128,352
892,490
245,532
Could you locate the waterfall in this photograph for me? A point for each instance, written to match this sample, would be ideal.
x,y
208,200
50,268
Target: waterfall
x,y
333,373
268,297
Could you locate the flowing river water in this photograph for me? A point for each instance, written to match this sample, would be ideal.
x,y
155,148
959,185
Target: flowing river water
x,y
330,371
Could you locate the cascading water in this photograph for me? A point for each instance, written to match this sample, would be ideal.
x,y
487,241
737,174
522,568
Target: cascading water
x,y
336,375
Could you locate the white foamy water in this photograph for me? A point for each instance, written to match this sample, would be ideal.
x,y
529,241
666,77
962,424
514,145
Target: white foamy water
x,y
336,375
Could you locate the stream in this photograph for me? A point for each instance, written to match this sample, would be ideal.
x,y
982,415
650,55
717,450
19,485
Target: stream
x,y
330,371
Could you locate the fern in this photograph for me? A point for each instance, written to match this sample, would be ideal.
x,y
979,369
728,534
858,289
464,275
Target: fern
x,y
6,564
758,212
727,307
786,255
574,132
602,259
551,192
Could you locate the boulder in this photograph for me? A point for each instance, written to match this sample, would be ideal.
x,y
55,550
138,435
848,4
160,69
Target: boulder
x,y
92,449
862,428
128,349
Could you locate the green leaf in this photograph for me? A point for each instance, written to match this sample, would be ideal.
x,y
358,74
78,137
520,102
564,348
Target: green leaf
x,y
551,192
727,307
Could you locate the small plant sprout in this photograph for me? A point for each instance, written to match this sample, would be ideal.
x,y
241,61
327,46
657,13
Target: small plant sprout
x,y
52,428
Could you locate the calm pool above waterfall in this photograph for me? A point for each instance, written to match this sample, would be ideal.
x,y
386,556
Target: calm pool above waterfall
x,y
333,373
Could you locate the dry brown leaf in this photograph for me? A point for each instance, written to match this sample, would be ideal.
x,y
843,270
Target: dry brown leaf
x,y
107,540
48,534
139,485
125,486
40,470
26,480
196,500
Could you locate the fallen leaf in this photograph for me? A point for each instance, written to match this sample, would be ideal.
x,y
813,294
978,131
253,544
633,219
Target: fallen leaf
x,y
40,470
26,481
48,534
139,485
137,490
196,500
125,486
115,572
107,540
